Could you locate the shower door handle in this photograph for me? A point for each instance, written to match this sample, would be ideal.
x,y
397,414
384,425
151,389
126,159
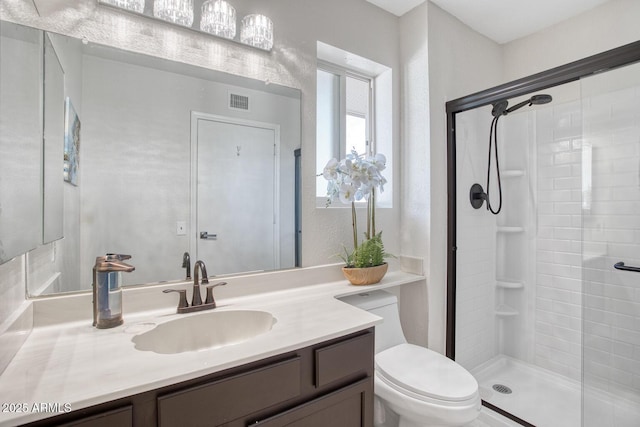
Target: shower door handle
x,y
620,266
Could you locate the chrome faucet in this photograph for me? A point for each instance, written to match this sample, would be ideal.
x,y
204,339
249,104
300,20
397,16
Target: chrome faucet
x,y
186,263
196,299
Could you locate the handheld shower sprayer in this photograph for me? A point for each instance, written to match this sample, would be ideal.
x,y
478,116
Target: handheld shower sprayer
x,y
500,107
477,195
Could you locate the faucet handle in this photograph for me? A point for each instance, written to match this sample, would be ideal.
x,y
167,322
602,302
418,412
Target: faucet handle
x,y
209,299
183,297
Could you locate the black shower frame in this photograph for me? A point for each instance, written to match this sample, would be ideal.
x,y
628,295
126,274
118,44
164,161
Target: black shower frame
x,y
602,62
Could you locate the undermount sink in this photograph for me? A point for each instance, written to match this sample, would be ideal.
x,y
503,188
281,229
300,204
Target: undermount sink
x,y
204,331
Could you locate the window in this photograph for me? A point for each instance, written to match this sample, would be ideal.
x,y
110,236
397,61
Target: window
x,y
359,130
344,116
353,112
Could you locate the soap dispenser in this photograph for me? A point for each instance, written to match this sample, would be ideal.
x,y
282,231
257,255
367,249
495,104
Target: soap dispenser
x,y
107,290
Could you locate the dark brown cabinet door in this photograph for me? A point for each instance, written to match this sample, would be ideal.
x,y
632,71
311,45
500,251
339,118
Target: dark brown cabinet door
x,y
348,407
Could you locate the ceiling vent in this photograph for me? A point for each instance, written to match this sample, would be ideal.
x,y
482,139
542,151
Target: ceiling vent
x,y
238,102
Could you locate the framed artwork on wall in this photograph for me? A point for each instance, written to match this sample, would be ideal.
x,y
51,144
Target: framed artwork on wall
x,y
71,143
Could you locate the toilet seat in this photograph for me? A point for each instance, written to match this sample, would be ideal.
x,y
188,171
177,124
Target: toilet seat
x,y
425,374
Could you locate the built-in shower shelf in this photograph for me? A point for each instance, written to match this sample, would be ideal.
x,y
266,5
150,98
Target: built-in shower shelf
x,y
505,284
510,229
512,173
506,311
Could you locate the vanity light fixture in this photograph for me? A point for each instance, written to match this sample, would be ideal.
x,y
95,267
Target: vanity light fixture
x,y
257,31
177,11
133,5
218,18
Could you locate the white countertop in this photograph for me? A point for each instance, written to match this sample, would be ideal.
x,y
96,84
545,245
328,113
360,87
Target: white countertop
x,y
78,365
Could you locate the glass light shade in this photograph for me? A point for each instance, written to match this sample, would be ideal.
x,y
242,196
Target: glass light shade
x,y
176,11
257,31
219,18
134,5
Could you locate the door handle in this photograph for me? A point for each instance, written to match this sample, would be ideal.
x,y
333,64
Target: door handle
x,y
206,236
620,266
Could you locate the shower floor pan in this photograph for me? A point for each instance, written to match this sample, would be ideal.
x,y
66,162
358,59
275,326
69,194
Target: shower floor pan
x,y
546,399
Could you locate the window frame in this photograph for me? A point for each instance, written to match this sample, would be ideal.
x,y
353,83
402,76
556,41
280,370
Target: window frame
x,y
341,148
343,73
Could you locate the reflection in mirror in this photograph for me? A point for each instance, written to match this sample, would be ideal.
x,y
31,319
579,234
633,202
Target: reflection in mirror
x,y
134,187
20,140
246,153
136,167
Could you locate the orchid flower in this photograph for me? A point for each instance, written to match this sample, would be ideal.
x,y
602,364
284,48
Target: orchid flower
x,y
354,178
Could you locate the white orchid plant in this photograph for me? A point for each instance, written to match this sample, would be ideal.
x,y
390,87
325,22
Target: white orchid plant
x,y
354,178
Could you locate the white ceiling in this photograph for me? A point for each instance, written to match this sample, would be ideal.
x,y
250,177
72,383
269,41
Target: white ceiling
x,y
501,20
397,7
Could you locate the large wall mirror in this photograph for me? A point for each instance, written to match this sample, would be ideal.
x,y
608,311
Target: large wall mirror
x,y
163,158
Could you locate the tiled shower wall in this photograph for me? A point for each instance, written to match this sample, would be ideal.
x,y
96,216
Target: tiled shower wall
x,y
587,314
551,297
558,314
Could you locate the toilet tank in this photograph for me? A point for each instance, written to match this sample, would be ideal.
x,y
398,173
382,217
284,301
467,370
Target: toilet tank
x,y
389,332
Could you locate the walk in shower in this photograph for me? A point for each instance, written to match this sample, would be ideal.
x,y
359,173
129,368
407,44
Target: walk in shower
x,y
544,282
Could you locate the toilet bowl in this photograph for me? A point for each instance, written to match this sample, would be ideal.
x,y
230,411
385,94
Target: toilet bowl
x,y
414,386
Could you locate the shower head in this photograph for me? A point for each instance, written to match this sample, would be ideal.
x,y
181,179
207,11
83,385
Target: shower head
x,y
540,99
534,100
500,107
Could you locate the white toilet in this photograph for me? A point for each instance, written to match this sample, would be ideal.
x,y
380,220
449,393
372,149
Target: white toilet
x,y
414,386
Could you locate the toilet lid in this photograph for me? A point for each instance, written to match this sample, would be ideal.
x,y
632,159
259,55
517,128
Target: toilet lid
x,y
426,373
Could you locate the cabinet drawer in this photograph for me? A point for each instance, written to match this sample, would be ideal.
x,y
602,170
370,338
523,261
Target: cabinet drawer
x,y
344,359
230,398
122,417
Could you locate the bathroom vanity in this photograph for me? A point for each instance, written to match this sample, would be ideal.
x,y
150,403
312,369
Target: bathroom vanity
x,y
313,365
330,383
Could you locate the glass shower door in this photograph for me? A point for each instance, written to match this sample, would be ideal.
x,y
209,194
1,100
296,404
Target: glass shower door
x,y
611,248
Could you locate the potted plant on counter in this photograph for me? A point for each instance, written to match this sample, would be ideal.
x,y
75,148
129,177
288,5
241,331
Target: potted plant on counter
x,y
355,178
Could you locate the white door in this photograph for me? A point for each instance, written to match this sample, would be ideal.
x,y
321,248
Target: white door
x,y
235,196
